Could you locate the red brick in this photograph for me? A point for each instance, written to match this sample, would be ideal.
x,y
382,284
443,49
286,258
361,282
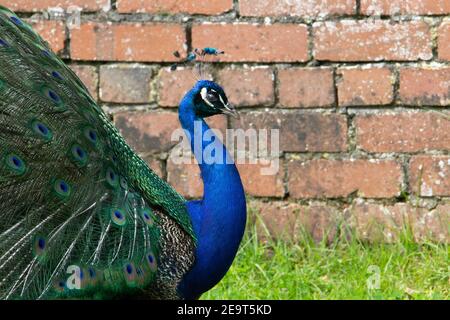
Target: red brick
x,y
250,42
259,185
51,31
156,165
185,178
422,86
125,83
403,132
444,41
306,87
393,7
172,6
377,222
127,42
148,132
378,40
248,86
88,75
310,8
173,85
313,132
42,5
365,86
429,176
340,178
286,220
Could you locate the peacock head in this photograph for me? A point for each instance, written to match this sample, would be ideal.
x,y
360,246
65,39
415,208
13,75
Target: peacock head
x,y
210,99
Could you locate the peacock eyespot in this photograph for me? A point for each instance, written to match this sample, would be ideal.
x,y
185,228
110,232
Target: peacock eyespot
x,y
91,135
16,21
118,217
112,179
62,188
147,216
79,155
130,273
57,75
42,130
151,261
129,269
91,272
39,246
3,43
15,164
123,183
54,97
46,53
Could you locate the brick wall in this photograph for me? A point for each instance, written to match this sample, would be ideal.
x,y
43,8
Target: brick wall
x,y
360,90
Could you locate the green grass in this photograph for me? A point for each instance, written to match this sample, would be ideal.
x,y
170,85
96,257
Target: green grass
x,y
277,269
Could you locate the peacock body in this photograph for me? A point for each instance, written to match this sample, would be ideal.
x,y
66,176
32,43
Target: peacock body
x,y
83,216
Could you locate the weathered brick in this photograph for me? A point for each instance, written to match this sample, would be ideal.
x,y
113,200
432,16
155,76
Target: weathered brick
x,y
186,179
377,222
309,8
393,7
340,178
51,31
127,42
260,185
429,176
403,132
378,40
250,42
425,86
125,83
365,86
173,85
41,5
313,132
156,165
306,87
244,87
172,6
89,76
248,86
444,41
289,221
148,132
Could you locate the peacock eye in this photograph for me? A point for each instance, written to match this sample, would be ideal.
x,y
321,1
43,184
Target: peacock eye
x,y
212,97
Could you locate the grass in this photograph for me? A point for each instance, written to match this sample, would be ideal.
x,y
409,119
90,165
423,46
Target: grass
x,y
277,269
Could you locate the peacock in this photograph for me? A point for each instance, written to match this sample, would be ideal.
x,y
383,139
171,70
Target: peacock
x,y
82,216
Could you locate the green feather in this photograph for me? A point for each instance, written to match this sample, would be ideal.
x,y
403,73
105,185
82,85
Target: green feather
x,y
72,192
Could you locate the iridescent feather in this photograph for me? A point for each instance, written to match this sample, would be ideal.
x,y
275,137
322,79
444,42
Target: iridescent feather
x,y
72,192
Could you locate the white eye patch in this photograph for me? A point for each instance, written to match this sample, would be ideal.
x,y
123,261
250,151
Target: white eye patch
x,y
203,94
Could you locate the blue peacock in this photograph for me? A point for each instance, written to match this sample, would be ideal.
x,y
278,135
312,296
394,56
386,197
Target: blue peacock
x,y
81,215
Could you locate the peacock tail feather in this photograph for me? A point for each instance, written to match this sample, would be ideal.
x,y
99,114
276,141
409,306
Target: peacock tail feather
x,y
75,200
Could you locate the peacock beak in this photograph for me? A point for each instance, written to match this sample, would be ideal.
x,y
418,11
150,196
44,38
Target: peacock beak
x,y
230,110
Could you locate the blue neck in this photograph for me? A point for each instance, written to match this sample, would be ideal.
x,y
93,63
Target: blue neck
x,y
219,218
